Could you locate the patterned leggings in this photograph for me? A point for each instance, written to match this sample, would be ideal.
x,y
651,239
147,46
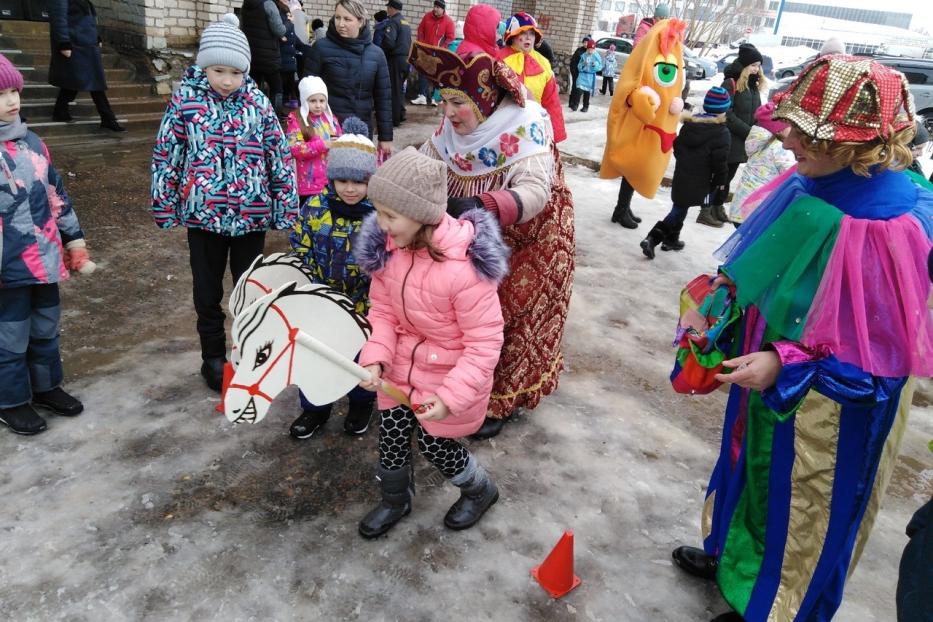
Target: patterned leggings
x,y
396,427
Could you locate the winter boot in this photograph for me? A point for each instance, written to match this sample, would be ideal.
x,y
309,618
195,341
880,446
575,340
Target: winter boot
x,y
695,561
490,428
732,616
706,217
657,234
719,212
22,420
397,489
477,494
58,402
212,369
309,423
623,215
671,241
358,417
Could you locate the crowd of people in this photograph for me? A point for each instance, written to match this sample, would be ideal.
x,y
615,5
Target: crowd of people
x,y
460,254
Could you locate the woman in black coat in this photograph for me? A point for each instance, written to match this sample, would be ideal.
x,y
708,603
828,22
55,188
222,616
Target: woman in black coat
x,y
77,64
745,82
262,24
354,70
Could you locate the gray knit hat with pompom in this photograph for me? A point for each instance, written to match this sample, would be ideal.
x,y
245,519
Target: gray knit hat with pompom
x,y
352,156
223,43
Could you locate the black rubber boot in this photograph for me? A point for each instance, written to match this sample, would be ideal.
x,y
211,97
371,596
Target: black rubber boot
x,y
490,428
476,496
397,490
695,561
212,370
309,423
23,420
671,241
623,216
655,236
58,402
358,417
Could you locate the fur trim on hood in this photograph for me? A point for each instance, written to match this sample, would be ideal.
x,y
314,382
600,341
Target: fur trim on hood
x,y
488,253
690,117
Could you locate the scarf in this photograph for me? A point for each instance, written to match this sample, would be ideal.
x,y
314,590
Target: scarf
x,y
14,130
341,209
510,134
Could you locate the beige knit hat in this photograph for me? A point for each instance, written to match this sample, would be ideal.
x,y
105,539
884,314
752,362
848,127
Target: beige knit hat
x,y
413,185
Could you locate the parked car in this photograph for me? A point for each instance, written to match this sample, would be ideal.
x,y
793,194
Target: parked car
x,y
767,65
789,71
708,65
623,48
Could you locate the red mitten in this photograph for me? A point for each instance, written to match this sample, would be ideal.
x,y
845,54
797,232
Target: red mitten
x,y
77,258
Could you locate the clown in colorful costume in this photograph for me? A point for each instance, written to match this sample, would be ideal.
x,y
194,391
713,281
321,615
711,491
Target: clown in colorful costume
x,y
831,274
534,70
509,165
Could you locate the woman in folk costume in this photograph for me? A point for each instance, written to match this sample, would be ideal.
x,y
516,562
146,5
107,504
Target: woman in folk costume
x,y
501,156
830,272
521,37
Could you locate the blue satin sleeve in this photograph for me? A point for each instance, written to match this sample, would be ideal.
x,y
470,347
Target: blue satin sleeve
x,y
841,382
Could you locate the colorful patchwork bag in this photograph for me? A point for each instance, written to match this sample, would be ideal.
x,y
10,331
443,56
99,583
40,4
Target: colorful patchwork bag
x,y
704,334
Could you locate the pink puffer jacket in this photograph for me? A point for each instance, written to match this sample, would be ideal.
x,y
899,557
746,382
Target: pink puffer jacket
x,y
437,325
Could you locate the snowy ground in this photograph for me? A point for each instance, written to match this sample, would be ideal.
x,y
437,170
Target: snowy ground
x,y
150,506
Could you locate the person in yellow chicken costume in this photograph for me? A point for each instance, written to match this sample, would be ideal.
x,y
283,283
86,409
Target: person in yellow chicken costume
x,y
643,117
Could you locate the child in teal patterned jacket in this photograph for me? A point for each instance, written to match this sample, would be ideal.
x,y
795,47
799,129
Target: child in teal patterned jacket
x,y
221,167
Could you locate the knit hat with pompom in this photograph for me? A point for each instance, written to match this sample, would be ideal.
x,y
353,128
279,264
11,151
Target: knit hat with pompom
x,y
223,43
352,156
10,77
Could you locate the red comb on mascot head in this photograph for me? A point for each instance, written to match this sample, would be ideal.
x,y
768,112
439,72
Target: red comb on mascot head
x,y
645,110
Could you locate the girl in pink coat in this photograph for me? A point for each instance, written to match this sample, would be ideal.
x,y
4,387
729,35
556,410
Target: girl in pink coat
x,y
310,130
437,332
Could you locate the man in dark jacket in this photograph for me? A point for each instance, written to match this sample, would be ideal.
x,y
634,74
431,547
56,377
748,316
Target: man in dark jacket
x,y
76,63
396,42
357,79
544,48
261,23
576,93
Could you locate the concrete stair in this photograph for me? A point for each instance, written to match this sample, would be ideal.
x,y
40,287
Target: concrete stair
x,y
130,89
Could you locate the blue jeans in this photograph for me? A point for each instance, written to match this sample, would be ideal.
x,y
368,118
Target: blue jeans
x,y
676,217
424,87
29,357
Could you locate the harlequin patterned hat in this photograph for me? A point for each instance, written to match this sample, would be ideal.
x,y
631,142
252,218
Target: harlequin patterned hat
x,y
847,99
519,23
478,76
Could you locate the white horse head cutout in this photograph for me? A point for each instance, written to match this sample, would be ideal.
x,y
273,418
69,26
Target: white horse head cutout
x,y
265,275
305,336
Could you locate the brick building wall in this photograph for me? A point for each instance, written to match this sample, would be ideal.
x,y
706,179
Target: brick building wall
x,y
157,24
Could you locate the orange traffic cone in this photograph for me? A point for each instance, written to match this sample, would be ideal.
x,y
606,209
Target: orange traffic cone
x,y
556,573
228,378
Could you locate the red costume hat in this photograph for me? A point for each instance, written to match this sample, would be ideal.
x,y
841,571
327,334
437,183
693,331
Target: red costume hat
x,y
519,23
472,71
847,99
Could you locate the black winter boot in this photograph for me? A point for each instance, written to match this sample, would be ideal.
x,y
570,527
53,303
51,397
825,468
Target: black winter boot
x,y
308,423
358,417
58,402
477,495
658,232
212,369
719,213
22,420
397,490
490,428
732,616
623,215
671,241
695,561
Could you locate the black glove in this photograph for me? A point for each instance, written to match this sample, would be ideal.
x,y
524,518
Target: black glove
x,y
456,206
